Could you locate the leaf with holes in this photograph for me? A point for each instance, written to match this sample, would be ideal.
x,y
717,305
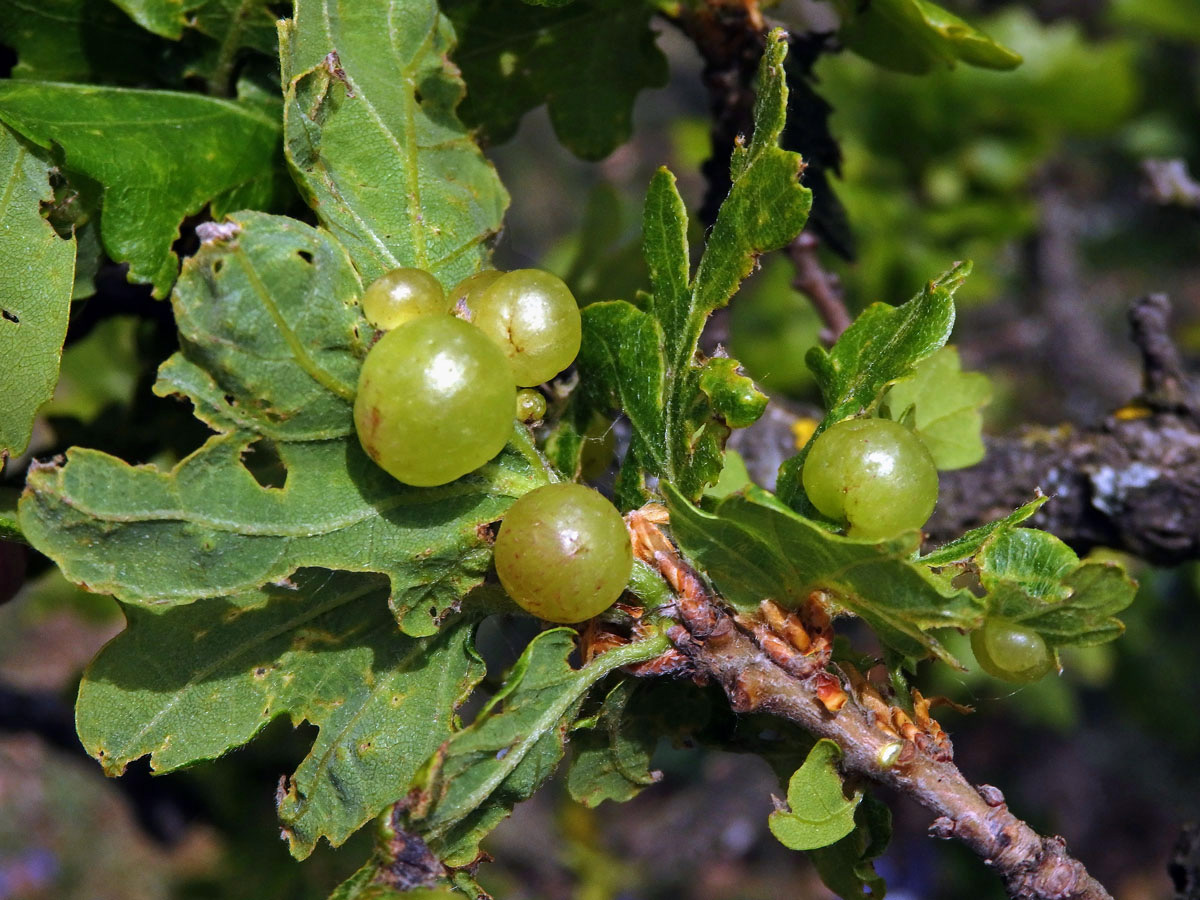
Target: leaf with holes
x,y
37,270
371,133
188,683
272,369
159,156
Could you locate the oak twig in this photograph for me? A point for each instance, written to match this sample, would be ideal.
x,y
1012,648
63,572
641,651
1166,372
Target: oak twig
x,y
1132,482
1032,867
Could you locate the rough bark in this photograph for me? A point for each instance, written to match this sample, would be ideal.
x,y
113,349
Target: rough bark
x,y
1131,483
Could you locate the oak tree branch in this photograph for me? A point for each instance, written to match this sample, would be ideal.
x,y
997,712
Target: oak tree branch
x,y
1032,867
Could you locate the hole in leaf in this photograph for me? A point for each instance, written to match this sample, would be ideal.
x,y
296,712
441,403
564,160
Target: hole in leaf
x,y
306,256
262,460
10,316
217,266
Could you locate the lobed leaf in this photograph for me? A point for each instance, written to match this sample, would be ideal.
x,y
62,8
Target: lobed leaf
x,y
515,57
819,812
271,334
136,145
371,133
37,270
276,366
1033,578
942,404
753,547
962,549
644,360
915,36
610,759
188,683
513,746
884,344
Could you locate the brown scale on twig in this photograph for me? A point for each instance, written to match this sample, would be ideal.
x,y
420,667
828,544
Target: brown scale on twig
x,y
799,642
920,729
597,637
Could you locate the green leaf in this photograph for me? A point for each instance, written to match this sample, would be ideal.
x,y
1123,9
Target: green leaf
x,y
610,760
163,17
37,270
942,404
883,345
514,744
10,528
159,156
271,335
73,40
820,813
733,396
1035,579
235,22
277,365
915,36
752,547
964,548
516,57
644,360
188,683
847,866
622,361
371,133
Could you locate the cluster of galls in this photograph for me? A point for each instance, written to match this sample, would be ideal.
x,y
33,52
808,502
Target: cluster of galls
x,y
436,400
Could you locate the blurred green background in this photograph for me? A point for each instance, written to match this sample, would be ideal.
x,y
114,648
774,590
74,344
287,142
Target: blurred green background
x,y
1040,176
